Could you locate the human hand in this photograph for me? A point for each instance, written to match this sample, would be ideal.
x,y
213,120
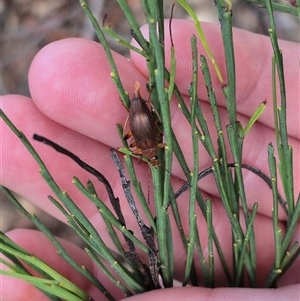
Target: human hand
x,y
75,103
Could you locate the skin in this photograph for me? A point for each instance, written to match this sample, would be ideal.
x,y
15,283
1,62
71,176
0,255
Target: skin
x,y
75,103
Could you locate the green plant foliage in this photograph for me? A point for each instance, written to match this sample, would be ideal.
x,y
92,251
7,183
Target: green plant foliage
x,y
136,276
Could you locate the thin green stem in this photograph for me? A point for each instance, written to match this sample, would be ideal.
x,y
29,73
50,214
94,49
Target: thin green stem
x,y
284,150
194,175
201,35
280,7
114,73
161,190
210,248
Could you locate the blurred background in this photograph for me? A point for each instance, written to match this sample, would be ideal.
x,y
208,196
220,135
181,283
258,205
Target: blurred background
x,y
29,25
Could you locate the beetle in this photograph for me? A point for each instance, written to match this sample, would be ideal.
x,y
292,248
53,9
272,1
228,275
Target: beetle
x,y
144,129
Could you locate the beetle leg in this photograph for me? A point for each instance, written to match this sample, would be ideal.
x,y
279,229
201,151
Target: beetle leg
x,y
132,144
138,152
161,145
127,136
125,124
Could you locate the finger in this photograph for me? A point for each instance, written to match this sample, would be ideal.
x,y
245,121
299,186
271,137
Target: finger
x,y
253,62
37,244
20,173
224,294
77,91
255,152
253,85
71,78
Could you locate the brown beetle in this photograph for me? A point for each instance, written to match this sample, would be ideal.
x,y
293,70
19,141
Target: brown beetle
x,y
144,129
